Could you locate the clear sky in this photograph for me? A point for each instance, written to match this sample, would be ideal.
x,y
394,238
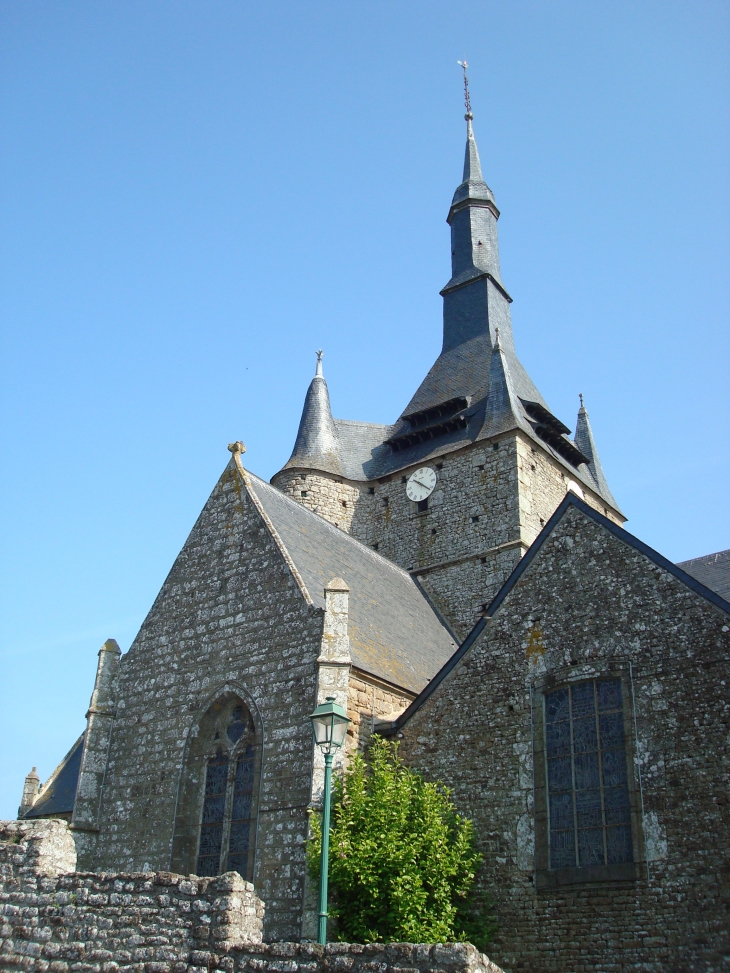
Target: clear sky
x,y
198,195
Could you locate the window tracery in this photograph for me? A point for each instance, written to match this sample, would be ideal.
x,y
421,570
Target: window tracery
x,y
588,795
216,820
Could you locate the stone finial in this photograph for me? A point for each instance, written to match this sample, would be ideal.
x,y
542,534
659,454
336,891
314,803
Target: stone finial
x,y
580,396
237,448
318,372
337,584
30,792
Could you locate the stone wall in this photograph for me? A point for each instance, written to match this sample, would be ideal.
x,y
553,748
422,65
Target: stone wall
x,y
370,701
54,920
589,606
543,484
329,496
490,502
229,618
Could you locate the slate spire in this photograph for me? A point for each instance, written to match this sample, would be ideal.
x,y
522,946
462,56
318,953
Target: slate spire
x,y
586,444
317,444
476,302
502,412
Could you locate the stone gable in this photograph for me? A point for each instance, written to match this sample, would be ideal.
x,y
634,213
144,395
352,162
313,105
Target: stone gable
x,y
591,606
230,617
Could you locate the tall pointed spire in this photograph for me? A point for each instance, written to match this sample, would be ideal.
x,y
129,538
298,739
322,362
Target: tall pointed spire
x,y
586,444
473,214
475,299
317,444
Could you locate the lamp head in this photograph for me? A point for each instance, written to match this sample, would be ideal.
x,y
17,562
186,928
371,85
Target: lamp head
x,y
329,725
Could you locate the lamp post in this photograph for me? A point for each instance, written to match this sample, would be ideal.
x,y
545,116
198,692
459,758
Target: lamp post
x,y
329,725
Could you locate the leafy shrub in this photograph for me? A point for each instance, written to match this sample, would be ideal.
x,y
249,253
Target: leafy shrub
x,y
402,861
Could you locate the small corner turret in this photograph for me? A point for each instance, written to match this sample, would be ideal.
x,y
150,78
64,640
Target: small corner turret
x,y
317,445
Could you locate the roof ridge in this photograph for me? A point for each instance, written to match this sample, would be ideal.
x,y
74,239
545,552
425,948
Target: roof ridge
x,y
272,530
704,557
620,533
364,422
337,531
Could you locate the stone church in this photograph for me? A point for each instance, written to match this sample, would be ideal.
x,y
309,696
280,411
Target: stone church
x,y
459,580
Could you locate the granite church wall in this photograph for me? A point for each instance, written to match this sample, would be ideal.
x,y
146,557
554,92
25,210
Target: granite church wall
x,y
229,616
591,606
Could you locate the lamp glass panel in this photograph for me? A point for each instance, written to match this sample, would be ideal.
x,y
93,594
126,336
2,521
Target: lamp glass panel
x,y
338,731
322,730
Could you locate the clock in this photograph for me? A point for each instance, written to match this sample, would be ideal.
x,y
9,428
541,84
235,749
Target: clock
x,y
421,483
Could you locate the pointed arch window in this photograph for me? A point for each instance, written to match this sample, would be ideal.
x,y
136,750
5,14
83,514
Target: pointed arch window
x,y
215,826
227,818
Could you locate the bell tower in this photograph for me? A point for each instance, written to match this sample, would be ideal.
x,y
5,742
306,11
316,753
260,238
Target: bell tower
x,y
460,485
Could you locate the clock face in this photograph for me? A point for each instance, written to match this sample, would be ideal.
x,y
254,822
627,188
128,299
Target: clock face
x,y
421,483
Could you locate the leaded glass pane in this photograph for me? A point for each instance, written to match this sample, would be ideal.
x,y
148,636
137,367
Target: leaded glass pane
x,y
590,846
608,694
558,739
612,730
560,775
561,812
586,771
614,768
588,796
616,801
239,840
239,837
585,735
557,706
237,727
583,700
588,809
562,849
618,845
214,803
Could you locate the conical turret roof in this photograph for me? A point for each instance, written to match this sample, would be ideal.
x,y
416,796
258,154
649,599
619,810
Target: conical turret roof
x,y
586,444
317,444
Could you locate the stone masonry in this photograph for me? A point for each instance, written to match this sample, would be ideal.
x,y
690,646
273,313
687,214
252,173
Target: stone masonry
x,y
231,617
55,920
490,502
591,605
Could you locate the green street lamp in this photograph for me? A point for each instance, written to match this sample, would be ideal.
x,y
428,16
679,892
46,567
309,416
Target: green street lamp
x,y
329,725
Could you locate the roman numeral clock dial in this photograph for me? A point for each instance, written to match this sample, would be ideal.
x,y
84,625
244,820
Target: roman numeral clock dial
x,y
421,483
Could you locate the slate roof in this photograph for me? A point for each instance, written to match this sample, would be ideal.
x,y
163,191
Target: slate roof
x,y
394,633
476,308
570,500
713,570
59,791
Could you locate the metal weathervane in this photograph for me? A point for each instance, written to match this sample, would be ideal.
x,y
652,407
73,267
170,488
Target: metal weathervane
x,y
467,100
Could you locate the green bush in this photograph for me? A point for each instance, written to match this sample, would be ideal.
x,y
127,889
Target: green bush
x,y
402,861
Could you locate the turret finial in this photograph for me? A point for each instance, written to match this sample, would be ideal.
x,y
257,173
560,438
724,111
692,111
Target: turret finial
x,y
320,353
580,396
467,100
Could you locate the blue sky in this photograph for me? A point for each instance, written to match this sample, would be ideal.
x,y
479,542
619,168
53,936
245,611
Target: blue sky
x,y
197,195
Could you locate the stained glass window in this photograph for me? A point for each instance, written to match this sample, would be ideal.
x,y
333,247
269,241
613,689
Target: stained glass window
x,y
238,843
237,726
588,794
228,821
214,806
